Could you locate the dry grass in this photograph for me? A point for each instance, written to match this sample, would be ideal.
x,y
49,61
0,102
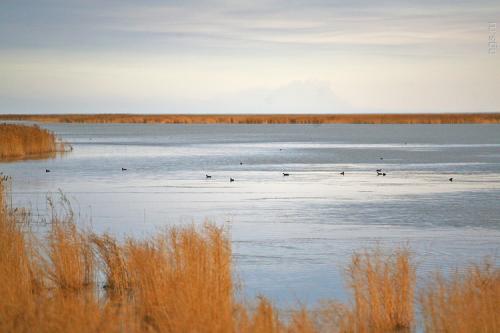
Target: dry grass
x,y
19,141
72,262
114,265
467,301
180,280
265,318
17,278
442,118
383,290
177,281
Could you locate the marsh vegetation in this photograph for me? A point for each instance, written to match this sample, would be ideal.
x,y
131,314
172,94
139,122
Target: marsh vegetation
x,y
21,142
422,118
64,278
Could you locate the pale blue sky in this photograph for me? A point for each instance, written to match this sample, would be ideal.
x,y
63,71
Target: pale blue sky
x,y
254,57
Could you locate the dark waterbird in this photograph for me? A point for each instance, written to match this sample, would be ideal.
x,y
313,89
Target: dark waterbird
x,y
241,163
342,173
231,180
451,179
47,170
123,169
379,170
285,174
208,176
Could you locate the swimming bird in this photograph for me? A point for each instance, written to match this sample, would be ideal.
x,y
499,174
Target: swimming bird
x,y
342,173
47,170
381,158
451,179
231,180
285,174
241,163
379,173
383,174
123,169
208,176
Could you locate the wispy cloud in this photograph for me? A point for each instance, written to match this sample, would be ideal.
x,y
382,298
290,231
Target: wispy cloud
x,y
154,24
370,53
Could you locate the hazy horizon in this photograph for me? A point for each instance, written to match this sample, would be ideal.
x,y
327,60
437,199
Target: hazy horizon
x,y
257,57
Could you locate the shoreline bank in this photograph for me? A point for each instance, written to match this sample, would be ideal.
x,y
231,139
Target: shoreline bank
x,y
423,118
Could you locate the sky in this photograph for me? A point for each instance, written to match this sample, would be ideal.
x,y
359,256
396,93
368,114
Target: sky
x,y
339,56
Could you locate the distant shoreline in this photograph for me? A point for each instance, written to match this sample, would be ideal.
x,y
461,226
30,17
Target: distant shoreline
x,y
421,118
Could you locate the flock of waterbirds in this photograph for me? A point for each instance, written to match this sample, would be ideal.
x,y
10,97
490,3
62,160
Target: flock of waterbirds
x,y
285,174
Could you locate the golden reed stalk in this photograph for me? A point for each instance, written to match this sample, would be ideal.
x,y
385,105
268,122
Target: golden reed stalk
x,y
20,141
465,302
181,280
383,290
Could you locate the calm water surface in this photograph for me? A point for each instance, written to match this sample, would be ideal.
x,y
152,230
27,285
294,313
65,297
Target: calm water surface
x,y
291,235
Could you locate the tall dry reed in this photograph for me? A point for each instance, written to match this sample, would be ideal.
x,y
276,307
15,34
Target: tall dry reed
x,y
180,280
17,282
467,301
114,265
383,290
20,141
264,318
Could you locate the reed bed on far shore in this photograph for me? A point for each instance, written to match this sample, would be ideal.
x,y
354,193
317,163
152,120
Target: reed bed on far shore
x,y
21,141
67,279
387,118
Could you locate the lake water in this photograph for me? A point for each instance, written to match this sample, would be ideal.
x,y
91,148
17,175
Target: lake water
x,y
291,235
